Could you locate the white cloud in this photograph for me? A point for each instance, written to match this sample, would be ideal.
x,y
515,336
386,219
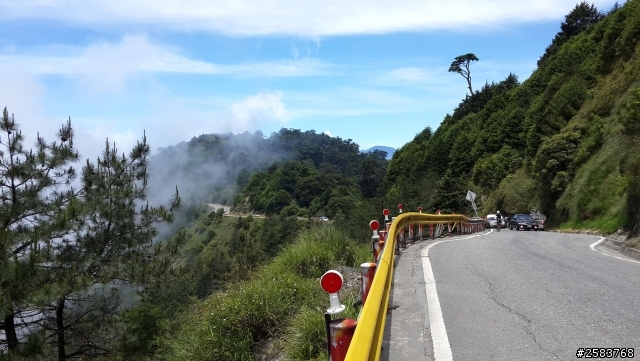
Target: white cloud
x,y
22,94
257,109
179,120
308,18
107,66
327,132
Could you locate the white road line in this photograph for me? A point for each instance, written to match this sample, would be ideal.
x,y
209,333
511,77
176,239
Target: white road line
x,y
441,346
602,239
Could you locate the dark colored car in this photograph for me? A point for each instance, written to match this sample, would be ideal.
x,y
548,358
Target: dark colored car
x,y
523,221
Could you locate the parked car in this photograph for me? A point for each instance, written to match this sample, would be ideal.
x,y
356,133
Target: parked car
x,y
522,222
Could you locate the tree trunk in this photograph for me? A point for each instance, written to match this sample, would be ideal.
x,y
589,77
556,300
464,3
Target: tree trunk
x,y
9,328
62,355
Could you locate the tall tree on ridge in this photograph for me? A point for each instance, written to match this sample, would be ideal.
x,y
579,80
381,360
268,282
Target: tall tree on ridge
x,y
460,65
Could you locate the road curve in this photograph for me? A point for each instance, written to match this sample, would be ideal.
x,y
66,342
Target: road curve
x,y
514,296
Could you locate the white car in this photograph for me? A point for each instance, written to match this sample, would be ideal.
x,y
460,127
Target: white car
x,y
492,220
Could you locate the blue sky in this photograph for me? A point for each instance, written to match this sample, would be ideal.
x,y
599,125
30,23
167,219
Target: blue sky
x,y
374,71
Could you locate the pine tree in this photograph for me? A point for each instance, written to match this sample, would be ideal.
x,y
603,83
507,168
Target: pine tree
x,y
34,187
460,65
64,250
111,246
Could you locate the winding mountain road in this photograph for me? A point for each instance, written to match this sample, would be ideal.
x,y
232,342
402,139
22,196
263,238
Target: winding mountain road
x,y
511,296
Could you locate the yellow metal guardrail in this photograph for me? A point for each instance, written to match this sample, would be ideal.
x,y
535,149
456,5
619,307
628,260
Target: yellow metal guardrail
x,y
366,343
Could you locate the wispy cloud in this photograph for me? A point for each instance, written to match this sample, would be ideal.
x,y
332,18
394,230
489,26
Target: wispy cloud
x,y
303,18
111,64
179,121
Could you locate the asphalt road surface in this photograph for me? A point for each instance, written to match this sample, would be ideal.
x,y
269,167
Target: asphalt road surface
x,y
511,296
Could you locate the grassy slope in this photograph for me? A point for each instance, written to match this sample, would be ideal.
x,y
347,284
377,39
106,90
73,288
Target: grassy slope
x,y
596,198
283,297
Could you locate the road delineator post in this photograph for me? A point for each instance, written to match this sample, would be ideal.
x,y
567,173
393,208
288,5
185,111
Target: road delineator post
x,y
420,227
378,246
375,239
331,282
383,235
339,331
397,236
387,222
368,270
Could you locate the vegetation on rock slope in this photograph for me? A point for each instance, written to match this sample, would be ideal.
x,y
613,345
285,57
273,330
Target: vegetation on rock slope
x,y
563,141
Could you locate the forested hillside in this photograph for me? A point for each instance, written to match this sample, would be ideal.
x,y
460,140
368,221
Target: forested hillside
x,y
291,172
215,167
328,178
564,141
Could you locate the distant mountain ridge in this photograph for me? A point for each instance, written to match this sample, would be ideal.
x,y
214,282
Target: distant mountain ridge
x,y
389,150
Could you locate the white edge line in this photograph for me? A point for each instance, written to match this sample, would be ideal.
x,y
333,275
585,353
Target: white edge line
x,y
602,239
441,346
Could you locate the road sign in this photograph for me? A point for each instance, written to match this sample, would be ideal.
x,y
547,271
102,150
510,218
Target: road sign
x,y
471,196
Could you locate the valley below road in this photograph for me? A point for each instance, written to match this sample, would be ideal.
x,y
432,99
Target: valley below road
x,y
513,296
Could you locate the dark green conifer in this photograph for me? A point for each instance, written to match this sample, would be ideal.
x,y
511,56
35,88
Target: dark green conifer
x,y
66,251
